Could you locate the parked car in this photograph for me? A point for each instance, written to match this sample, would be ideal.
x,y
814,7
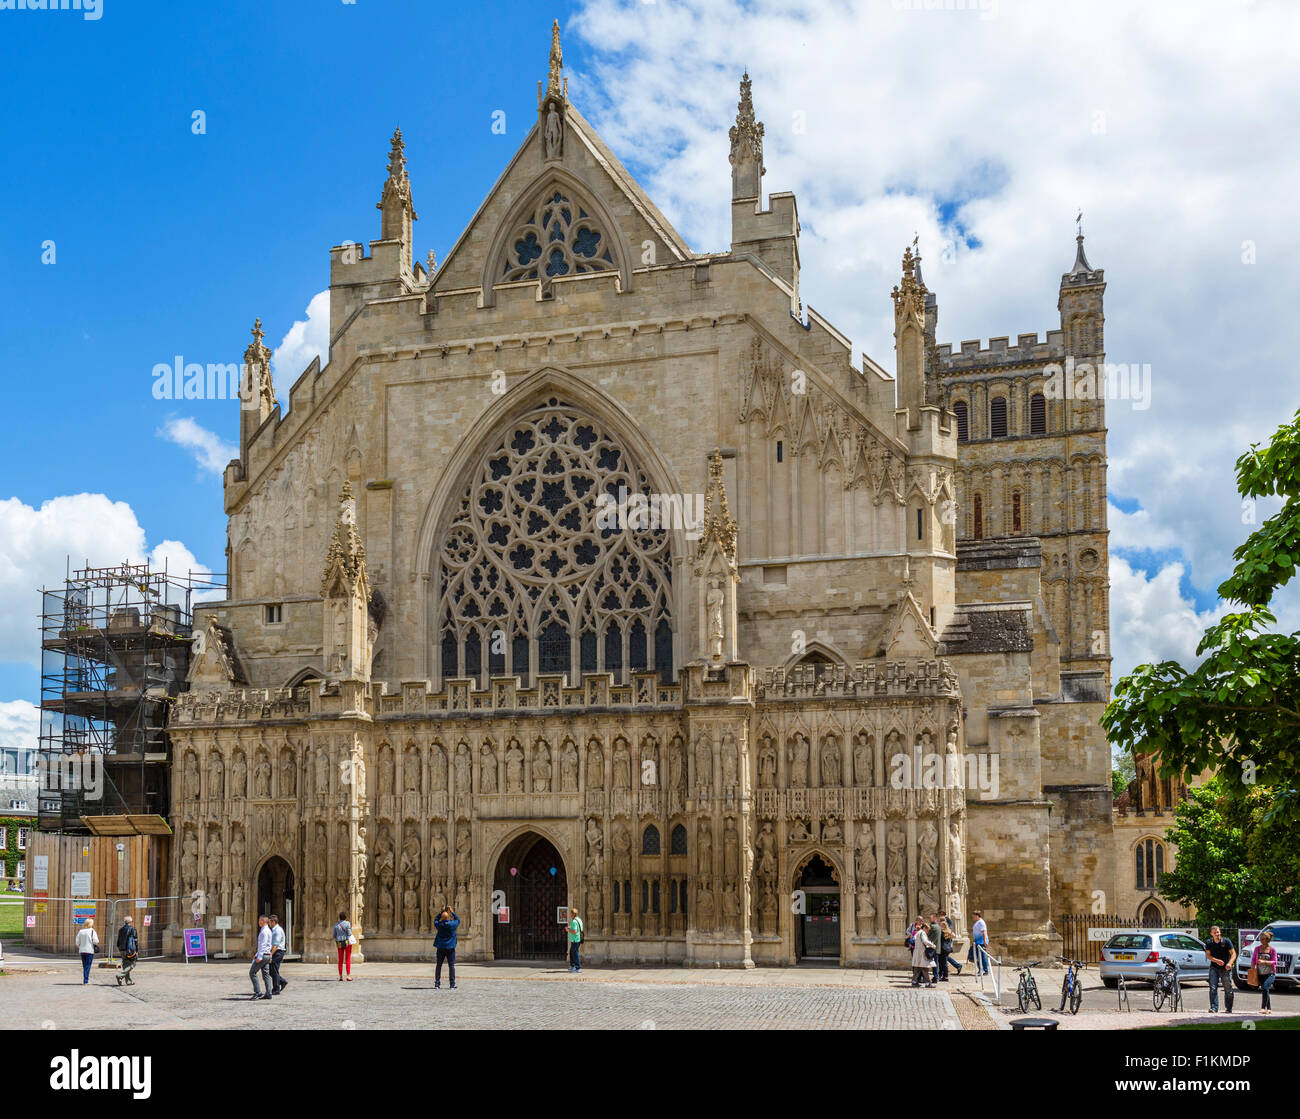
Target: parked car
x,y
1286,939
1137,954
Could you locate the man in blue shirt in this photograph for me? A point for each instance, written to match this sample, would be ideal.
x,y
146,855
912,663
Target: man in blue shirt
x,y
262,960
445,942
278,943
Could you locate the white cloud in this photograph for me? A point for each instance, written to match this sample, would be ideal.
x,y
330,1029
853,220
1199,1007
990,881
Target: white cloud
x,y
305,340
20,724
1170,124
36,545
210,451
1150,619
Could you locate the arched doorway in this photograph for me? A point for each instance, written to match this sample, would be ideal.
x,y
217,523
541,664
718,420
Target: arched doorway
x,y
817,929
1152,916
530,876
275,894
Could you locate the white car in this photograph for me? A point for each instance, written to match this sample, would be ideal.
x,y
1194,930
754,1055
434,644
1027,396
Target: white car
x,y
1286,939
1138,954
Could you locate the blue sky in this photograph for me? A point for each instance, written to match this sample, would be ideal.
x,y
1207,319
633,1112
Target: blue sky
x,y
1169,123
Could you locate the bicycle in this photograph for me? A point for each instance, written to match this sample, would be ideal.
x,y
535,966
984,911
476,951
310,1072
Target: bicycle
x,y
1167,986
1071,985
1027,988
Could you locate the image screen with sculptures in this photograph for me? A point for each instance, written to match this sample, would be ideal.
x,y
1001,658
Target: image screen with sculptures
x,y
870,672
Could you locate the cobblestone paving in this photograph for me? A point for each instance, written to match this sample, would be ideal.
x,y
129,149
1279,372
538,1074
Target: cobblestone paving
x,y
215,996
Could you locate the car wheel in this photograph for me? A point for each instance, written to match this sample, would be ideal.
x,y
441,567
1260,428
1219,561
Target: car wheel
x,y
1242,985
1111,983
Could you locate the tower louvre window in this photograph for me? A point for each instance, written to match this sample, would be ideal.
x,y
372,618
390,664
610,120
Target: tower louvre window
x,y
1037,414
963,420
998,417
978,517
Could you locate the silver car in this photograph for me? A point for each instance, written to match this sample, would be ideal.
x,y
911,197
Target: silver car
x,y
1137,954
1286,939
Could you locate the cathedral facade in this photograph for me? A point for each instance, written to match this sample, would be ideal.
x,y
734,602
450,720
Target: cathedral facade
x,y
590,570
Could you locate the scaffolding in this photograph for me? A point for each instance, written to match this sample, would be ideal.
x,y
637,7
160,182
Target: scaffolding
x,y
115,650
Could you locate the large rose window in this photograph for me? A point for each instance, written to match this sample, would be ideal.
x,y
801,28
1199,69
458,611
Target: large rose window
x,y
531,581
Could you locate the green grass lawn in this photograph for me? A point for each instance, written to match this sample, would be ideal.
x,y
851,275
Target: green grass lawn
x,y
11,917
1260,1024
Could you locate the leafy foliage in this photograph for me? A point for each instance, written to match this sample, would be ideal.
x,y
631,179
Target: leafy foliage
x,y
1238,711
1238,859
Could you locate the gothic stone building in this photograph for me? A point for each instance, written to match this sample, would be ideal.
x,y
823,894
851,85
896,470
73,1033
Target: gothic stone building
x,y
589,568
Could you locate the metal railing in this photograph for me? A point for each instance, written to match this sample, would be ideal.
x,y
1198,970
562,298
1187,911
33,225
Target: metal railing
x,y
994,974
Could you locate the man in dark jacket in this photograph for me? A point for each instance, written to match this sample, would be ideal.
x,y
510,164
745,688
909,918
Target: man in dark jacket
x,y
128,944
445,942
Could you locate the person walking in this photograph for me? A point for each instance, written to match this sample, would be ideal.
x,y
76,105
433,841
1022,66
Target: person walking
x,y
128,944
922,954
343,940
262,960
945,948
1263,962
87,942
951,934
445,942
575,940
278,944
936,939
980,931
1222,955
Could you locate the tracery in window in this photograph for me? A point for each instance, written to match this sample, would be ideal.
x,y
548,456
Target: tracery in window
x,y
559,239
527,575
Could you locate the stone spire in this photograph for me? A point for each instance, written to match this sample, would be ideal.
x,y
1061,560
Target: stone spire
x,y
720,528
345,587
554,80
910,335
747,168
1081,264
395,203
256,392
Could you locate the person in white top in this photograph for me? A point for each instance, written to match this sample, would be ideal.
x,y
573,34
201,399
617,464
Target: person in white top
x,y
262,960
980,934
278,943
87,942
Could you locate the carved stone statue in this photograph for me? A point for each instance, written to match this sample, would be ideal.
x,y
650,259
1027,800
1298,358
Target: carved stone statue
x,y
595,844
553,134
462,769
488,769
799,830
237,848
897,900
622,765
765,845
798,759
462,855
322,771
542,768
730,762
569,767
767,764
386,771
895,864
731,905
262,776
713,601
928,865
189,859
832,832
832,774
958,865
866,904
866,856
622,848
411,769
437,769
595,766
862,760
411,857
191,774
704,907
514,768
385,906
410,908
288,775
677,767
704,763
730,849
706,847
216,777
237,903
214,852
238,776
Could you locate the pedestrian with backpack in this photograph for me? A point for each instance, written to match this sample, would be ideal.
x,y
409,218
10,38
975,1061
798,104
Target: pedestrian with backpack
x,y
444,942
344,939
128,944
575,940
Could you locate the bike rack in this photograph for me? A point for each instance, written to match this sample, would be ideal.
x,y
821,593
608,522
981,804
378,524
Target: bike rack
x,y
1122,989
994,977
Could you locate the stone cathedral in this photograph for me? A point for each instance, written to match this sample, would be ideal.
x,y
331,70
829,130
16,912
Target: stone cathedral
x,y
591,569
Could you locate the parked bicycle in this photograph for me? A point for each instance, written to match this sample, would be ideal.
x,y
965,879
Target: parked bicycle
x,y
1167,987
1027,988
1071,985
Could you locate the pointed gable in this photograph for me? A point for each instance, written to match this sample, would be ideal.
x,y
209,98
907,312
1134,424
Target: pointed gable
x,y
561,155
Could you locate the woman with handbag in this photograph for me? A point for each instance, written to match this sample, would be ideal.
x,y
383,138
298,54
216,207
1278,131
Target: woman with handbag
x,y
1263,970
922,955
344,938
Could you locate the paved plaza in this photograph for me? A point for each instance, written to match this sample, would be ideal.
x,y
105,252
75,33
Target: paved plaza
x,y
44,992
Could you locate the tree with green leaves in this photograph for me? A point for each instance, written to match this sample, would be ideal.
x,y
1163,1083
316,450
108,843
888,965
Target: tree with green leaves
x,y
1238,862
1238,711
